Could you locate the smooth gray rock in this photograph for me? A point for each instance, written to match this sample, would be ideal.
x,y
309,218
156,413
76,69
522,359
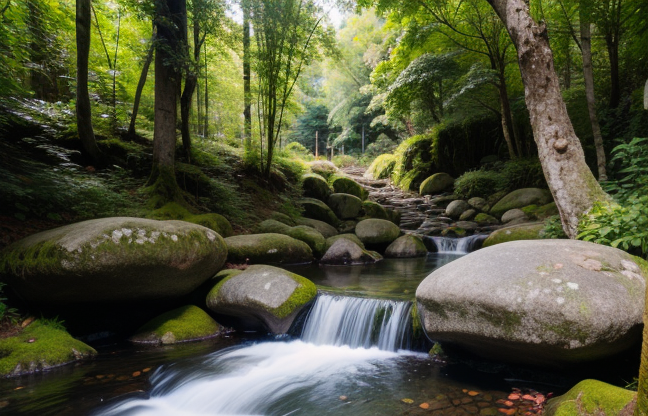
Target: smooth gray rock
x,y
345,252
520,199
352,237
513,214
468,215
377,232
545,302
345,206
308,235
266,248
456,208
117,259
406,246
478,203
266,294
325,229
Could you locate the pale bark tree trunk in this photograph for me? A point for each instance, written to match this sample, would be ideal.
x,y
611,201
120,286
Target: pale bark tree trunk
x,y
140,85
588,75
206,120
247,95
572,184
83,110
191,81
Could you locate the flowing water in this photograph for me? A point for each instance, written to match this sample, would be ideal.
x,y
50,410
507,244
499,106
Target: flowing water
x,y
459,246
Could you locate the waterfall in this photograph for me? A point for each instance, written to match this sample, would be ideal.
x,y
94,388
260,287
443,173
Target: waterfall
x,y
358,323
464,245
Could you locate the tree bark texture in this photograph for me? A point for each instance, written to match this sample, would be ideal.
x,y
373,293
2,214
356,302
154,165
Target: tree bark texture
x,y
641,409
191,81
507,120
612,41
572,184
83,110
588,75
247,95
140,85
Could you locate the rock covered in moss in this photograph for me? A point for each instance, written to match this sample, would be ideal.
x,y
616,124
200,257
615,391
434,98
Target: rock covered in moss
x,y
315,186
375,210
541,212
175,211
456,208
517,232
545,302
406,246
436,183
325,229
308,235
187,323
520,199
348,226
343,185
39,347
592,397
394,216
485,219
270,248
478,203
266,294
515,214
323,168
318,210
281,217
331,240
377,233
346,252
468,215
345,206
113,260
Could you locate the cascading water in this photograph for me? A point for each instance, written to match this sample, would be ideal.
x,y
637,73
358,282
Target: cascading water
x,y
347,343
464,245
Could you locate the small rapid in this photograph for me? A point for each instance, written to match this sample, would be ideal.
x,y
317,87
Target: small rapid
x,y
460,246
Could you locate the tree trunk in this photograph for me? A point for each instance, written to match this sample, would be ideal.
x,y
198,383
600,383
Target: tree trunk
x,y
612,42
641,409
140,85
572,184
507,120
247,95
83,110
170,17
206,126
588,75
191,80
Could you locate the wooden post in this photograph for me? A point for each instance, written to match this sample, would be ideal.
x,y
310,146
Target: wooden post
x,y
363,138
316,144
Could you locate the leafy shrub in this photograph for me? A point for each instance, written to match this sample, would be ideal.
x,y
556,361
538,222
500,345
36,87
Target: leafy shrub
x,y
6,313
480,183
383,144
297,149
342,161
415,160
523,173
323,168
553,228
382,167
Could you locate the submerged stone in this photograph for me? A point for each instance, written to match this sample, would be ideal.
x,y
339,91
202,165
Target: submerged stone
x,y
406,246
187,323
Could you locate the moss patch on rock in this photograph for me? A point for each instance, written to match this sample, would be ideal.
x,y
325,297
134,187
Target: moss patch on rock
x,y
175,211
315,186
592,397
514,233
318,210
39,347
331,240
187,323
343,185
375,210
267,248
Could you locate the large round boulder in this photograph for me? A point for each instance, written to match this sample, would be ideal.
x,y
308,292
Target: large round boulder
x,y
375,210
345,206
315,186
376,233
533,231
325,229
331,240
187,323
267,248
308,235
269,295
346,252
456,208
514,214
520,199
406,246
343,185
544,302
436,183
318,210
592,397
113,260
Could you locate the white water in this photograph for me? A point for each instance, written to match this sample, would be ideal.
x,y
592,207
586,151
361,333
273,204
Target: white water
x,y
281,378
448,245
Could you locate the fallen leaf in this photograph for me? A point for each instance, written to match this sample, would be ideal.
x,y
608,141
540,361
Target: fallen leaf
x,y
408,401
508,403
514,396
528,397
424,406
473,393
19,388
27,322
507,412
137,373
146,370
465,390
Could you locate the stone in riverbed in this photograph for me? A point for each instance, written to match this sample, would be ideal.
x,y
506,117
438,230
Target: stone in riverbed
x,y
318,210
343,185
267,248
456,208
406,246
315,186
325,229
112,260
533,231
592,397
352,237
346,252
436,183
515,214
268,295
187,323
345,206
520,199
544,302
377,233
308,235
375,210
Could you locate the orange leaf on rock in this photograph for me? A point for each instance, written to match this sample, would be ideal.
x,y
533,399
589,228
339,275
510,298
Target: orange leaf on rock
x,y
137,373
424,406
514,396
528,397
507,412
508,403
473,393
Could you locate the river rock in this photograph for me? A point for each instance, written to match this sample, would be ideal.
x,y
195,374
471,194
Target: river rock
x,y
281,217
308,235
325,229
478,203
436,183
544,302
112,260
513,215
592,397
375,210
406,246
345,206
468,215
318,210
456,208
343,185
267,248
187,323
352,237
268,295
520,199
483,218
533,231
394,216
346,227
315,186
346,252
377,233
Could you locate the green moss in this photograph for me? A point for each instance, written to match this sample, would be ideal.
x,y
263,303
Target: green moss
x,y
383,166
515,233
310,236
267,248
186,323
43,257
485,219
343,185
568,330
590,397
352,237
375,210
304,293
39,347
176,211
163,188
315,186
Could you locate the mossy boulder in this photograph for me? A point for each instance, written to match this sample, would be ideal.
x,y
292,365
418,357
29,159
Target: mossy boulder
x,y
456,208
281,217
520,199
325,229
375,210
39,347
532,231
308,235
541,302
468,215
478,203
436,183
485,219
348,226
406,246
541,212
345,206
331,240
187,323
343,185
515,214
273,226
592,397
318,210
377,234
175,211
323,168
113,260
270,248
315,186
346,252
268,295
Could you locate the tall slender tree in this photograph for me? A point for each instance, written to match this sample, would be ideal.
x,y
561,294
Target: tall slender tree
x,y
247,95
141,83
